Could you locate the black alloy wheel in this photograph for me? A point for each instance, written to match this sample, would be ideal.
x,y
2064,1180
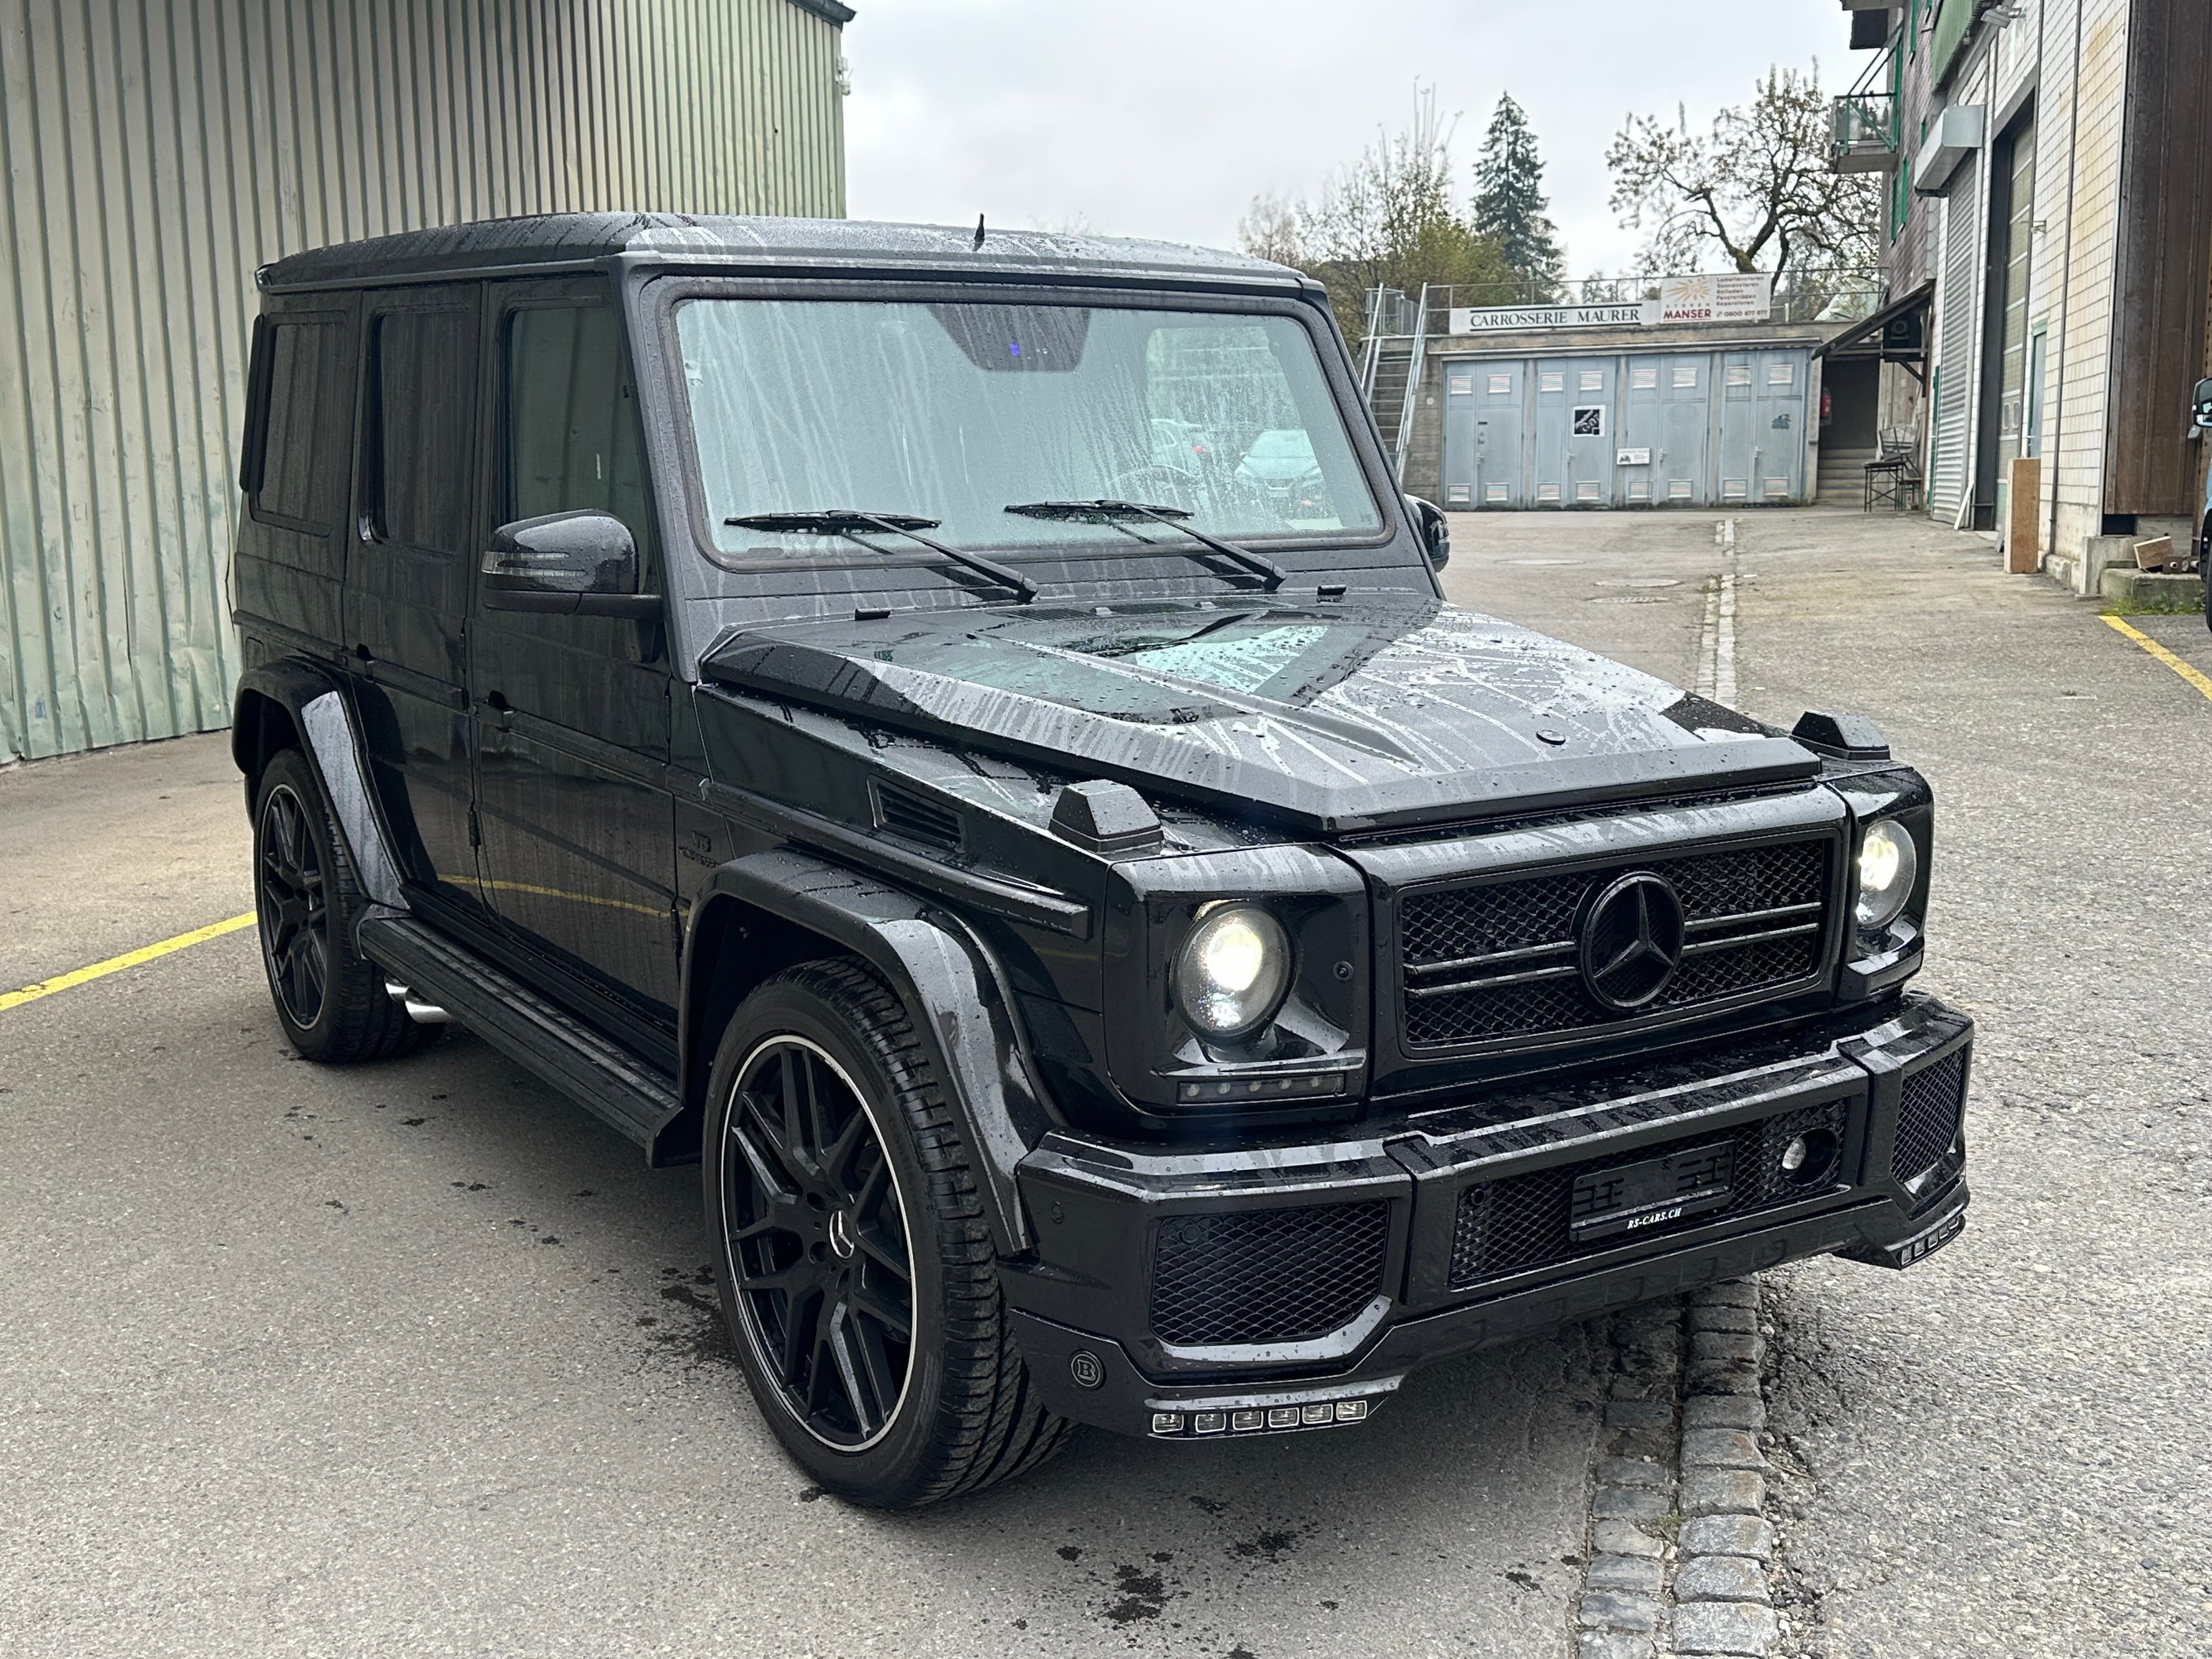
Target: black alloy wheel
x,y
815,1231
294,906
330,999
852,1249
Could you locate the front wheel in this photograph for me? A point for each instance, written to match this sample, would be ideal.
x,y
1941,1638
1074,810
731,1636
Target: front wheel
x,y
854,1262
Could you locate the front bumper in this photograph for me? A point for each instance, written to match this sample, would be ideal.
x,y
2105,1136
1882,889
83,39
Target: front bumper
x,y
1470,1225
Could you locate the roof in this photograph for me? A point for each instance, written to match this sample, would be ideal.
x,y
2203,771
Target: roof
x,y
1875,336
572,239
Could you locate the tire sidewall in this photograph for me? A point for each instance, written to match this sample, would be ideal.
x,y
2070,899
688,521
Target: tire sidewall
x,y
288,769
883,1472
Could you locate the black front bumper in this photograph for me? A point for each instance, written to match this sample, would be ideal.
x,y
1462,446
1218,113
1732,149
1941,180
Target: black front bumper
x,y
1457,1228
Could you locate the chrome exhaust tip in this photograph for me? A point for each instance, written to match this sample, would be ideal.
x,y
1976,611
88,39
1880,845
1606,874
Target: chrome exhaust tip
x,y
422,1013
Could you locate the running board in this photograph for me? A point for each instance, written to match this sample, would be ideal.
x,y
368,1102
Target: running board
x,y
596,1074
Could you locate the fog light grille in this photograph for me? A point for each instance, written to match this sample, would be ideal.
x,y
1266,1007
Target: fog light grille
x,y
1928,1117
1251,1276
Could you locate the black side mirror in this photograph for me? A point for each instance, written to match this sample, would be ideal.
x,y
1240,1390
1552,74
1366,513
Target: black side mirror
x,y
1435,531
2205,402
567,564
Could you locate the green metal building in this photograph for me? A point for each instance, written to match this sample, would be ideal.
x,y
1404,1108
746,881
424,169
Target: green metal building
x,y
152,156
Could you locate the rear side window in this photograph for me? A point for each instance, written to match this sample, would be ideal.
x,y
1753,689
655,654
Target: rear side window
x,y
415,457
573,441
300,466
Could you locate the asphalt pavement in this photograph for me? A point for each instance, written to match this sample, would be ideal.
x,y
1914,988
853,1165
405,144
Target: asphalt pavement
x,y
417,1359
2001,1451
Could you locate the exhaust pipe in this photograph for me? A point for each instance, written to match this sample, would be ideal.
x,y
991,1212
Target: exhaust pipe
x,y
422,1013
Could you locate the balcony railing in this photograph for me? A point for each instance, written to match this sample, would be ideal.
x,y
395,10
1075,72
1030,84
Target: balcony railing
x,y
1865,133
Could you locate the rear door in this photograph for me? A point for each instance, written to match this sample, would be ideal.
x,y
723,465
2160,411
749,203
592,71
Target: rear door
x,y
572,713
407,563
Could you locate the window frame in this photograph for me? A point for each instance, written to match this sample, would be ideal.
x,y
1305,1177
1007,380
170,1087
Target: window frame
x,y
372,527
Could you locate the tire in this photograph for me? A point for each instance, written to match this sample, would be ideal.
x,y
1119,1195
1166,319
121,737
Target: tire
x,y
330,999
820,1259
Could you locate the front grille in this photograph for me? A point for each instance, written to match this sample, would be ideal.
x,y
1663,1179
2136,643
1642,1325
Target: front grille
x,y
1496,962
1927,1111
1525,1222
1248,1276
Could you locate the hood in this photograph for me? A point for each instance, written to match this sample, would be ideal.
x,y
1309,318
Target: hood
x,y
1375,712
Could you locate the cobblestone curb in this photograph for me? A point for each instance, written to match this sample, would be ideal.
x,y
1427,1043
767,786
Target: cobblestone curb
x,y
1681,1551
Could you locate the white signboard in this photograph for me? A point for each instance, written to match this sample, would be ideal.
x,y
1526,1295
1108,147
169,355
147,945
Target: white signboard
x,y
1736,297
1473,319
1633,457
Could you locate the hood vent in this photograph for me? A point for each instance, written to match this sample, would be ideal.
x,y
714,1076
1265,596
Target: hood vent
x,y
901,813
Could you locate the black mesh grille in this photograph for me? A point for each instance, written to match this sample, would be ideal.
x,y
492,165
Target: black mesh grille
x,y
1928,1115
1537,919
1253,1276
1520,1223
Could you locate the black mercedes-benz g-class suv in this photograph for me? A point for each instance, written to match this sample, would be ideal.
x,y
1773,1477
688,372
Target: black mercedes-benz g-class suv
x,y
964,739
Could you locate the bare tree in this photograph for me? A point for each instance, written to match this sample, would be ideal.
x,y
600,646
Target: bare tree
x,y
1758,185
1387,219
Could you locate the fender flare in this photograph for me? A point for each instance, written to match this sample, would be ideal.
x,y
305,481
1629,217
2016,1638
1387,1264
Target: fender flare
x,y
946,977
311,698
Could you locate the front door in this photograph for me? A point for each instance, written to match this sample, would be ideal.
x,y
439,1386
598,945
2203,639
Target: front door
x,y
572,712
408,566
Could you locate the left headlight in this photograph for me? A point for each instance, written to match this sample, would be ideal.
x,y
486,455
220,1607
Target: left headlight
x,y
1233,969
1889,865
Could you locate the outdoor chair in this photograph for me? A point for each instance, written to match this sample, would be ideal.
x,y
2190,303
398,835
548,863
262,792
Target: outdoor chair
x,y
1892,477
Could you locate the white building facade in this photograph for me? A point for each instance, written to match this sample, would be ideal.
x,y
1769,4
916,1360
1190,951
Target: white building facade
x,y
2050,168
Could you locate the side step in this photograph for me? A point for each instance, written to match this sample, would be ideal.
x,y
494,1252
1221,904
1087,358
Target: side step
x,y
567,1053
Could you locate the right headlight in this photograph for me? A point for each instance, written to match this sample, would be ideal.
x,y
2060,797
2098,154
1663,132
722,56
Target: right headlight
x,y
1233,970
1889,865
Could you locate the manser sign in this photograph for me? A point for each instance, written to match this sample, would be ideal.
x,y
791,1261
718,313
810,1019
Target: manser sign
x,y
1745,297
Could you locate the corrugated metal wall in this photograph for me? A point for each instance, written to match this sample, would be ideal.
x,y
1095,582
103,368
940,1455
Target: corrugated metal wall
x,y
155,155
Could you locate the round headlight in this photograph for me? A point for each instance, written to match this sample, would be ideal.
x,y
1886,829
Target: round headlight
x,y
1233,970
1889,866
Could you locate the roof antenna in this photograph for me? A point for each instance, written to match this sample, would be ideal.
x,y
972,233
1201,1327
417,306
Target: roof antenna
x,y
979,230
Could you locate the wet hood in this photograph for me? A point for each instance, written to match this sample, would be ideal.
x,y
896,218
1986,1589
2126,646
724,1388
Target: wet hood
x,y
1369,712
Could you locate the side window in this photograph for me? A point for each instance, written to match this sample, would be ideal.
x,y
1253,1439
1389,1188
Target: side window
x,y
301,433
415,449
572,440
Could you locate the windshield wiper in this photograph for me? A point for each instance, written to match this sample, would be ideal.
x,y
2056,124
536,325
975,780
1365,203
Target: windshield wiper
x,y
847,522
1122,512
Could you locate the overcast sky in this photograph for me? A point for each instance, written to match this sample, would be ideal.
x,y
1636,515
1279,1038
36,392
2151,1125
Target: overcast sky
x,y
1163,117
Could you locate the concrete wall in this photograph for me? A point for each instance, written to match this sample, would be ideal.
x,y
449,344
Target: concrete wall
x,y
152,155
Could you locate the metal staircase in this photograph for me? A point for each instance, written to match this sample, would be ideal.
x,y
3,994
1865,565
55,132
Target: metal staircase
x,y
1390,367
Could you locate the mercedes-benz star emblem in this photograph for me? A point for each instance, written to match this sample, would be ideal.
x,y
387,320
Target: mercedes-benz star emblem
x,y
1632,942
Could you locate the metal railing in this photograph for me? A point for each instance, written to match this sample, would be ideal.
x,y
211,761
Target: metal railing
x,y
1865,133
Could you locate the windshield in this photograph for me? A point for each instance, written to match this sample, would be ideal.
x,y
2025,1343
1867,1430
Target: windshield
x,y
956,412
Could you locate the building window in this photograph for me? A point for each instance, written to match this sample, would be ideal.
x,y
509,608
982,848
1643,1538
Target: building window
x,y
1686,376
1552,379
1643,377
1593,379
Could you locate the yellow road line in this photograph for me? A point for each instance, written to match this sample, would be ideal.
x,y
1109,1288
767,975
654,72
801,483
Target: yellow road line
x,y
46,987
2191,675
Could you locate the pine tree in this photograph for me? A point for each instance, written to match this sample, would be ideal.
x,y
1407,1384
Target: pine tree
x,y
1510,202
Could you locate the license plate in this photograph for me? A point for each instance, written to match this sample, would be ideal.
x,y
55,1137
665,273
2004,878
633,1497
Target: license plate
x,y
1630,1197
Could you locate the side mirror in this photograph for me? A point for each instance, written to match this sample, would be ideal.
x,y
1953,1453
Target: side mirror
x,y
567,564
2205,402
1436,529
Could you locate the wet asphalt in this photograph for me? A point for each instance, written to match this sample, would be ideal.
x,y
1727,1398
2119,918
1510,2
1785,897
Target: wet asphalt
x,y
418,1358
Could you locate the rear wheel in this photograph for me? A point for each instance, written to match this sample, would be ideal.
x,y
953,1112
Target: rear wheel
x,y
330,999
855,1266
